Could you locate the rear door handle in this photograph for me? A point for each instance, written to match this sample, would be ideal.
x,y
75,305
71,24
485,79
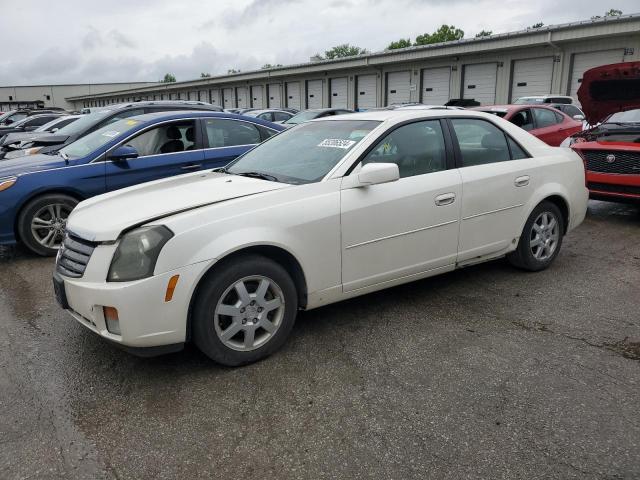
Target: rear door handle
x,y
522,181
445,199
192,166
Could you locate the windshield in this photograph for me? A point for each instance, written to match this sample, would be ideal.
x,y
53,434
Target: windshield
x,y
6,114
528,100
304,154
87,121
302,117
631,116
93,141
53,123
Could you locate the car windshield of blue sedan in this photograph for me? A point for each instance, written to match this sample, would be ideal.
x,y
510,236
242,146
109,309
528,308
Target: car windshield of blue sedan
x,y
93,141
304,154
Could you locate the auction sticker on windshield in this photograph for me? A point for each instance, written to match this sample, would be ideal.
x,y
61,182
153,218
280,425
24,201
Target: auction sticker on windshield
x,y
336,143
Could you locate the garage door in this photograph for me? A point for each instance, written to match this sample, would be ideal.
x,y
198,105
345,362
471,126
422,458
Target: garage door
x,y
242,94
366,92
480,82
314,94
227,98
215,97
338,96
398,87
203,95
275,95
435,85
256,96
585,61
531,77
293,95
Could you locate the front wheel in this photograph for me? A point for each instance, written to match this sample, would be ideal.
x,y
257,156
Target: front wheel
x,y
541,238
42,223
244,311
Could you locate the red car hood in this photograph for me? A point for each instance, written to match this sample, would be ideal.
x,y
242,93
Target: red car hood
x,y
609,89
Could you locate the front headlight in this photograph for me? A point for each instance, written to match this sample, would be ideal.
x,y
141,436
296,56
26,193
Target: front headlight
x,y
7,183
137,253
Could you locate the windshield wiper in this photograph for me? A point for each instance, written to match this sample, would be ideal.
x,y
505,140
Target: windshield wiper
x,y
220,170
263,176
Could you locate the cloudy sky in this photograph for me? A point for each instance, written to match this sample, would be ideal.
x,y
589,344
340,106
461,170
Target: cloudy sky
x,y
140,40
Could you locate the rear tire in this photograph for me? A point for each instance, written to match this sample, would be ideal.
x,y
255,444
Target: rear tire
x,y
244,310
541,239
42,222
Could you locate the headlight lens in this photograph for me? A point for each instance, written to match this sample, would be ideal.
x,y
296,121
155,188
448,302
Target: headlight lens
x,y
7,183
137,253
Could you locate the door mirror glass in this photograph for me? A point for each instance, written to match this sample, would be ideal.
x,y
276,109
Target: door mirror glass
x,y
375,173
123,152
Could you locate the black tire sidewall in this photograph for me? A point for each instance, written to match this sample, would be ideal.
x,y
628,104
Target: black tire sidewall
x,y
526,258
26,215
212,288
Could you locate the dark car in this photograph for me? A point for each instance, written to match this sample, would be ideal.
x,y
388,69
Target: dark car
x,y
97,119
313,114
29,123
38,192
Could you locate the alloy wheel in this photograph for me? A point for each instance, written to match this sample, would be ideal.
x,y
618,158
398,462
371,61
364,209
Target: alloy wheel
x,y
48,224
545,234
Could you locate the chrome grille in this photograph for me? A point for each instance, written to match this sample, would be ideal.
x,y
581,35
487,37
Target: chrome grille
x,y
617,161
74,256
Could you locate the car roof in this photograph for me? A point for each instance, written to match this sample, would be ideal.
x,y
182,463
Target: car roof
x,y
177,115
401,115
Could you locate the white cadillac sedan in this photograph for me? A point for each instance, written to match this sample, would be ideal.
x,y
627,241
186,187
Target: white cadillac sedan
x,y
325,211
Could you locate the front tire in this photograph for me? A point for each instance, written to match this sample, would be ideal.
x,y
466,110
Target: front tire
x,y
541,238
244,310
42,222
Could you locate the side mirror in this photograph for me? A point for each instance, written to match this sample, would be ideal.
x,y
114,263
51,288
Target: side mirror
x,y
375,173
578,117
123,152
54,130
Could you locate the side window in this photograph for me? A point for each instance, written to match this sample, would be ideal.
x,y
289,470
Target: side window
x,y
517,153
227,133
417,148
280,116
38,122
571,110
523,119
120,116
265,132
266,116
63,123
480,142
544,117
167,138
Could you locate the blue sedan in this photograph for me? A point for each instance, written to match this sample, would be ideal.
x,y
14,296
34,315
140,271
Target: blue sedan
x,y
38,192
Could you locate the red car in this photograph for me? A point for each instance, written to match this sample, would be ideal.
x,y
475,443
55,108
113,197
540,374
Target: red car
x,y
610,97
548,124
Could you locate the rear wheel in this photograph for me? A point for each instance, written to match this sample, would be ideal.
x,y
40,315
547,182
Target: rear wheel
x,y
244,311
42,222
541,238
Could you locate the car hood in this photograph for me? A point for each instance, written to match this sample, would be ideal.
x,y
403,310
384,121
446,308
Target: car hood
x,y
29,164
609,89
103,218
20,136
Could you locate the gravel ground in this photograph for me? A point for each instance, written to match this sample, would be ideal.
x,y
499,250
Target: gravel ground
x,y
486,372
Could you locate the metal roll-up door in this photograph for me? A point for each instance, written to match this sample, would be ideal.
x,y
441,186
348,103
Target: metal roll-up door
x,y
531,77
314,94
293,95
366,92
227,98
398,87
215,97
256,96
581,62
203,96
480,82
274,95
435,85
338,95
242,96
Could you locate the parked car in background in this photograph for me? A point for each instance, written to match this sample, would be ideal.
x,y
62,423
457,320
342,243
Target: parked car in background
x,y
270,115
541,99
38,192
314,114
610,98
29,123
571,110
331,209
548,124
47,143
12,116
50,127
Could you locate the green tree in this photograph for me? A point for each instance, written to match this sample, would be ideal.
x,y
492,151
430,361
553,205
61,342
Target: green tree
x,y
537,25
446,33
611,13
402,43
341,51
267,66
168,78
233,70
205,75
484,33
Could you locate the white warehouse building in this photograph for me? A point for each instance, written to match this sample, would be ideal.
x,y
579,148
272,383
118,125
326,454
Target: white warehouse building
x,y
491,70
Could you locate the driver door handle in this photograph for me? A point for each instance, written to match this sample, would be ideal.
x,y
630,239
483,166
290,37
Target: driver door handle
x,y
445,199
522,181
192,166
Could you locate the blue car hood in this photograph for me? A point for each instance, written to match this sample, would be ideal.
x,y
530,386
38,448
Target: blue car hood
x,y
29,164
